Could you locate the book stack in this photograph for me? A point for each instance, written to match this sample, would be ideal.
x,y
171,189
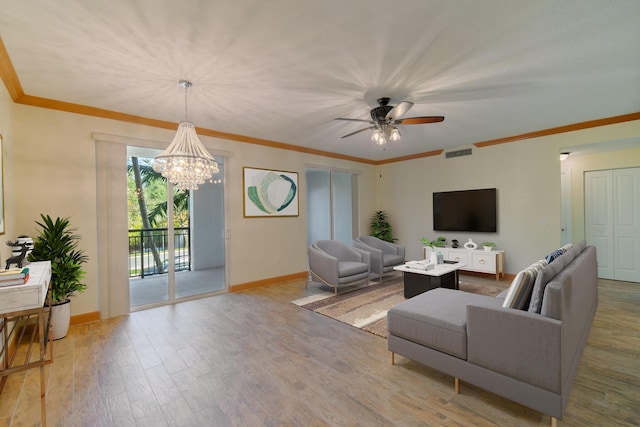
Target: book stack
x,y
14,276
420,265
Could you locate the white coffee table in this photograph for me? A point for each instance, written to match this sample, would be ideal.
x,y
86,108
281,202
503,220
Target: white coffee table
x,y
417,281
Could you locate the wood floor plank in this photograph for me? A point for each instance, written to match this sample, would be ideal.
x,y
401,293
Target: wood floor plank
x,y
253,359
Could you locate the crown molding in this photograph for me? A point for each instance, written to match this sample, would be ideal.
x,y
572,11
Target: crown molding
x,y
411,157
8,74
562,129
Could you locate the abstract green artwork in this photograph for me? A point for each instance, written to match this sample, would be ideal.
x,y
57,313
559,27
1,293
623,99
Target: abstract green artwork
x,y
270,193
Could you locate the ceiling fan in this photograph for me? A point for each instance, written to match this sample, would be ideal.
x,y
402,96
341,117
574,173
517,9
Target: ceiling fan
x,y
386,118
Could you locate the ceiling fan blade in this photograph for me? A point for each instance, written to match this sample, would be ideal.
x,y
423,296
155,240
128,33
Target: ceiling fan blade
x,y
419,120
358,131
398,111
354,120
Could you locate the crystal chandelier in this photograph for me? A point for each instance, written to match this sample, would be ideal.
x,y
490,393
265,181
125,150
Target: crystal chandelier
x,y
385,133
185,162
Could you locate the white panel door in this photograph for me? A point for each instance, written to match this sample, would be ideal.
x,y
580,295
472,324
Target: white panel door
x,y
626,227
598,211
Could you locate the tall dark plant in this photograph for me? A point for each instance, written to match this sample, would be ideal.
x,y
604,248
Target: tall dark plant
x,y
380,227
58,243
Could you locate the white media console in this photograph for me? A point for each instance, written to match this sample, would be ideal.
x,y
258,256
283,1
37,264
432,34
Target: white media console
x,y
477,260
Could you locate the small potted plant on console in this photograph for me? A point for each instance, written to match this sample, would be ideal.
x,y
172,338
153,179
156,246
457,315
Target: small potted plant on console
x,y
488,246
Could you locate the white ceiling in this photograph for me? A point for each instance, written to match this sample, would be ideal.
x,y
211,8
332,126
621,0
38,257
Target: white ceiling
x,y
282,70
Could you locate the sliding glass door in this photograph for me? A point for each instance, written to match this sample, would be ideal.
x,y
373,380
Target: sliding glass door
x,y
176,237
331,205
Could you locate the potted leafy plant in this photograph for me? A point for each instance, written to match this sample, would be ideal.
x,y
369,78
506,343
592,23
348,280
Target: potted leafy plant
x,y
380,227
58,243
440,242
488,245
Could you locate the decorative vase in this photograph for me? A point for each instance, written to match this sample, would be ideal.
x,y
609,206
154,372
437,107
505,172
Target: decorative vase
x,y
470,245
61,317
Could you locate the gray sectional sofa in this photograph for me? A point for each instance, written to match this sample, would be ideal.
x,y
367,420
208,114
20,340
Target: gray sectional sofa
x,y
528,355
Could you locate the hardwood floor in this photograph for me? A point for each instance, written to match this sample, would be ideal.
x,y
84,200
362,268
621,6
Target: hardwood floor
x,y
254,359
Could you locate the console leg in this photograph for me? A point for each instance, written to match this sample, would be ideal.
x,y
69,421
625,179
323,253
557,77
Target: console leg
x,y
393,359
456,385
554,422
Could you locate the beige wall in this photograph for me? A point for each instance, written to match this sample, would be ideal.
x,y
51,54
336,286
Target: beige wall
x,y
54,167
6,130
528,197
50,167
527,176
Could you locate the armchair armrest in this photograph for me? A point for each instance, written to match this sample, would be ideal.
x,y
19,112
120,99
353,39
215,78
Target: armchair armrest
x,y
323,265
375,254
366,256
399,249
522,345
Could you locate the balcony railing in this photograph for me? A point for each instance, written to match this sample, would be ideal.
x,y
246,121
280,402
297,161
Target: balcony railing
x,y
149,251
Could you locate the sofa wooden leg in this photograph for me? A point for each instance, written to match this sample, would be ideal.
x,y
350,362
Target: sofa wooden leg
x,y
456,385
554,422
393,358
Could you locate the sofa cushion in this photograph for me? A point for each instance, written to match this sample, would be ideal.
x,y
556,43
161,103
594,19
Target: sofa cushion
x,y
519,293
537,267
436,319
566,247
553,255
543,278
549,272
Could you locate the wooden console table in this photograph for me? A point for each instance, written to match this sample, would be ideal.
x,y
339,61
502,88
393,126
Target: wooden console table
x,y
477,260
20,306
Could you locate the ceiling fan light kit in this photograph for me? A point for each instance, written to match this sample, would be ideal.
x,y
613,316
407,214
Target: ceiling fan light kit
x,y
386,118
186,163
385,134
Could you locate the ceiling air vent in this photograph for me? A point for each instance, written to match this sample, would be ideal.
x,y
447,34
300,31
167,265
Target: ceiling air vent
x,y
458,153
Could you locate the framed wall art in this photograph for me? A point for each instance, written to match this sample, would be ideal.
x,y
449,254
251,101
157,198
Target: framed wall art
x,y
269,193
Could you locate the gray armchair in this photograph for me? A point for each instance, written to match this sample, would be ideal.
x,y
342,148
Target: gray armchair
x,y
336,264
384,255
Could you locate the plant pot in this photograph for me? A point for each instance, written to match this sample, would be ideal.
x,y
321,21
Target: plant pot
x,y
61,313
488,248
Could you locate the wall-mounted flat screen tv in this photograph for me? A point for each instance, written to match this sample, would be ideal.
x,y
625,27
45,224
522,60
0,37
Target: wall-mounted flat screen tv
x,y
469,210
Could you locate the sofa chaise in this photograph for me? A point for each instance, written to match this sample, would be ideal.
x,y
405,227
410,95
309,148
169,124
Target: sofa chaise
x,y
528,354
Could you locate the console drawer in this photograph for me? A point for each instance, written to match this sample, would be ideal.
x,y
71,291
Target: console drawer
x,y
483,262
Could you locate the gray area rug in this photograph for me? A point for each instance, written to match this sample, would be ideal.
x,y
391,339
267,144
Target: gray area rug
x,y
366,308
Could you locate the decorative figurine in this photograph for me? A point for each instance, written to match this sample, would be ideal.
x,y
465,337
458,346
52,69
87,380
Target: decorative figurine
x,y
17,259
454,243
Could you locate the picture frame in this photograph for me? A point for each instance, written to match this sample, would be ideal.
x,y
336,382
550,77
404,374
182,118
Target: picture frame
x,y
269,193
2,227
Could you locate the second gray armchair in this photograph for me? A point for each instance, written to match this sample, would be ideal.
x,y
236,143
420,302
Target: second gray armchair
x,y
384,255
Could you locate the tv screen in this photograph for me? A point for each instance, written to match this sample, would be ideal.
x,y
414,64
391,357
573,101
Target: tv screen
x,y
469,210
